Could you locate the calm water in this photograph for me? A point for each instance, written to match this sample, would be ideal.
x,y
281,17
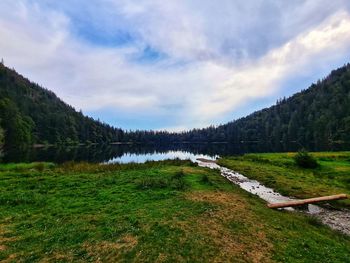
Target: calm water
x,y
142,153
141,158
114,153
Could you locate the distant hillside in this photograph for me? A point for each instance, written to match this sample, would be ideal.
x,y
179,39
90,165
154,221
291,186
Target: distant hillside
x,y
313,118
318,116
32,114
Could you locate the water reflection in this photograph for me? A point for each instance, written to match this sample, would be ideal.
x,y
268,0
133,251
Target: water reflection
x,y
141,153
141,158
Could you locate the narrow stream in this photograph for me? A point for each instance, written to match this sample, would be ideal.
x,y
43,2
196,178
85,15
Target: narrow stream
x,y
336,219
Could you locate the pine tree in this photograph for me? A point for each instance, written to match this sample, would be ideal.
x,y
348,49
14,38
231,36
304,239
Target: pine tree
x,y
1,137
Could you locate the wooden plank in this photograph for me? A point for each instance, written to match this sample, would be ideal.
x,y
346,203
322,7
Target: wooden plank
x,y
308,201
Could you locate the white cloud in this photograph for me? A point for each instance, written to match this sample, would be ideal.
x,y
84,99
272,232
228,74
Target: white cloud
x,y
260,78
211,67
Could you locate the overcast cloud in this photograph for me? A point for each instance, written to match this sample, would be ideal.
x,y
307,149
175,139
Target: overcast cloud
x,y
177,64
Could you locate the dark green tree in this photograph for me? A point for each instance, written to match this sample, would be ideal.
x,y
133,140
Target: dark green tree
x,y
2,137
18,128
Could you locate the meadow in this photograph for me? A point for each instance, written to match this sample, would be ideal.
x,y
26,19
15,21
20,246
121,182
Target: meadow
x,y
280,172
169,211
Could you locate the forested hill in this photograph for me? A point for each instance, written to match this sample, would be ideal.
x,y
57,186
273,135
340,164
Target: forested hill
x,y
318,116
32,114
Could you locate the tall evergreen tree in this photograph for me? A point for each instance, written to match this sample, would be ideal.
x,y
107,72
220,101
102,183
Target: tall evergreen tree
x,y
2,137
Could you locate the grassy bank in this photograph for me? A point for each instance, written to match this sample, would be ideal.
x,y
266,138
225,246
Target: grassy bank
x,y
155,212
279,171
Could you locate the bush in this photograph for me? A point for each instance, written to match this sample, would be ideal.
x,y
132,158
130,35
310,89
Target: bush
x,y
40,167
205,179
152,183
304,160
178,175
175,182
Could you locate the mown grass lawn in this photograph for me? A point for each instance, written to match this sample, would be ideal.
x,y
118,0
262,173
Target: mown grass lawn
x,y
170,211
279,171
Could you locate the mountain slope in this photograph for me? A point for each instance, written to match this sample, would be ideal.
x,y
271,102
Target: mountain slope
x,y
32,114
317,116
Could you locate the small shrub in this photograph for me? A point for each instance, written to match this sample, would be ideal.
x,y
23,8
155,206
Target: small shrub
x,y
304,160
314,221
152,183
177,181
178,184
205,179
40,167
331,176
179,175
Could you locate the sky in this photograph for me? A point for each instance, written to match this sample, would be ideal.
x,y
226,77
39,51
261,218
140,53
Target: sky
x,y
175,64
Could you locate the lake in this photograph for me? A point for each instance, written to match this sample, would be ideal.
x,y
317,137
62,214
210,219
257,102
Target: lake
x,y
141,153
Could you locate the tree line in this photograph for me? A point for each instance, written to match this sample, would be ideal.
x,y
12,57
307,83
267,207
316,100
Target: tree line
x,y
317,116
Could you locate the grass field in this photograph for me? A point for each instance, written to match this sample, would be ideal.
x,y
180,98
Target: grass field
x,y
279,171
170,211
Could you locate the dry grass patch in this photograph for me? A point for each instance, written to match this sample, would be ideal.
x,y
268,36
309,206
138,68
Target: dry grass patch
x,y
189,170
59,257
161,258
232,227
4,232
4,240
342,168
11,259
111,251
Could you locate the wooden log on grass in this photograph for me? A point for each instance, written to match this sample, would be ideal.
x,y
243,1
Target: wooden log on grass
x,y
308,201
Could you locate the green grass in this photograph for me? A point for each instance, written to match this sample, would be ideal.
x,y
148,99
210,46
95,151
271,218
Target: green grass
x,y
154,212
25,166
279,171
